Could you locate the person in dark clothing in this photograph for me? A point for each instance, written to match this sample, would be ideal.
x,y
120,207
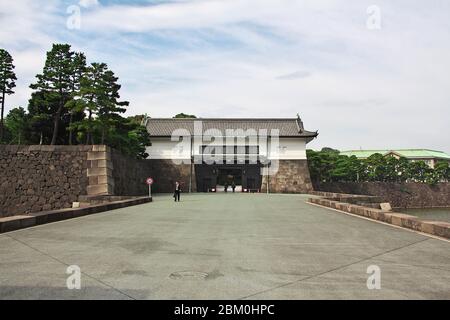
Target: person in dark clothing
x,y
233,186
177,192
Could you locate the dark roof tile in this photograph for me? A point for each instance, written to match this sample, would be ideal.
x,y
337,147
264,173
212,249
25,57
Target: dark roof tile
x,y
291,127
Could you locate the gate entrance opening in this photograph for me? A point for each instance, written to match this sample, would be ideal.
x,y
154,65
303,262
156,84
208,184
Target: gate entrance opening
x,y
214,178
228,176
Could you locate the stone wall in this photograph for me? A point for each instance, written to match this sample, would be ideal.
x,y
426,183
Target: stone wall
x,y
43,178
129,175
400,195
292,177
37,178
167,173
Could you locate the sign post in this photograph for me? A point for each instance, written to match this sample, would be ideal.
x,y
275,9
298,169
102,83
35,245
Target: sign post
x,y
149,182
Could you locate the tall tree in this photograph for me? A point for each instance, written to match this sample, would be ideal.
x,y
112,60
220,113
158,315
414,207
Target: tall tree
x,y
87,99
109,106
98,97
7,82
78,70
55,82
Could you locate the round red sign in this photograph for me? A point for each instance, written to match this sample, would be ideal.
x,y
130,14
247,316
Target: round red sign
x,y
149,181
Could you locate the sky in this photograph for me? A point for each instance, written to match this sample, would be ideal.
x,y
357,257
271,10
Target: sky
x,y
366,74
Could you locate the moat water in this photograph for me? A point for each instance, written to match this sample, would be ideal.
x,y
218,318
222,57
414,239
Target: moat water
x,y
434,214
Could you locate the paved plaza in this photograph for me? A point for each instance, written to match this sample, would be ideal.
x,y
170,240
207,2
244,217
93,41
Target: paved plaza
x,y
223,246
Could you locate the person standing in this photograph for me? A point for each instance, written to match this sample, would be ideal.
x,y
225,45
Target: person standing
x,y
177,193
233,186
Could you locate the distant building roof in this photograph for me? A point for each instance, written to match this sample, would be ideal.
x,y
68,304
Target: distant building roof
x,y
407,153
288,127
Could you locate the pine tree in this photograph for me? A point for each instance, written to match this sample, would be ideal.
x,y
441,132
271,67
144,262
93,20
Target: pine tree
x,y
79,68
109,106
98,97
55,82
7,83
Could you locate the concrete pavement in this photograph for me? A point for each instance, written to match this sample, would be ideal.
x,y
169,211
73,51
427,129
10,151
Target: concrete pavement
x,y
222,246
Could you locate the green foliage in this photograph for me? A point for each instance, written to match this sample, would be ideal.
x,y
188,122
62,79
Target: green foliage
x,y
78,70
326,149
17,125
346,169
321,164
184,116
55,84
41,110
110,107
7,83
443,169
328,166
419,171
98,97
73,103
129,137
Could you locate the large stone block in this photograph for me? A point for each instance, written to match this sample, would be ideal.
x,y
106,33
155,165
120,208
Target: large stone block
x,y
100,189
98,155
99,172
14,223
105,164
292,176
99,148
441,229
399,219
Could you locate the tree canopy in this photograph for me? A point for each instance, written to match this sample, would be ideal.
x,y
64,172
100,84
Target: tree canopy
x,y
7,83
184,116
329,166
55,84
76,103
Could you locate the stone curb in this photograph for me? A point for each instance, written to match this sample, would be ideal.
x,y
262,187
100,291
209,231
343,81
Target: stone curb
x,y
34,219
350,198
436,228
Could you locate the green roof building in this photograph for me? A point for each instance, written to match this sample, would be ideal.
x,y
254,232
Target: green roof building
x,y
430,157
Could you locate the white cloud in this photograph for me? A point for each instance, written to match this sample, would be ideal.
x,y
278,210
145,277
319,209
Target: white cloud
x,y
194,14
372,89
88,3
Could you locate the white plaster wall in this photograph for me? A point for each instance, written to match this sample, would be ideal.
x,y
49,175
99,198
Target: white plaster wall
x,y
164,148
287,149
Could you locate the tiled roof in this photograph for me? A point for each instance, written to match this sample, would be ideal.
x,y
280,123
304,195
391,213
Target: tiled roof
x,y
291,127
407,153
421,153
